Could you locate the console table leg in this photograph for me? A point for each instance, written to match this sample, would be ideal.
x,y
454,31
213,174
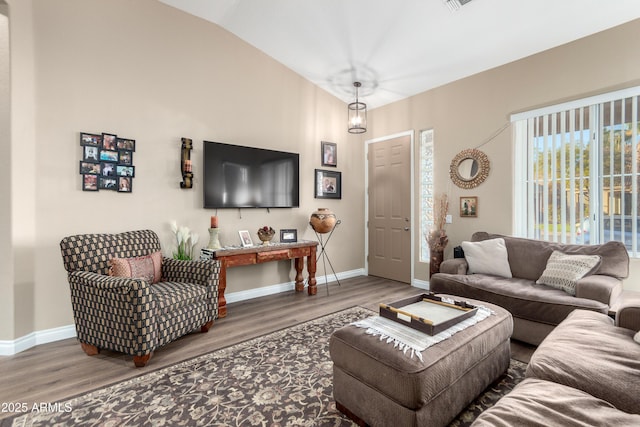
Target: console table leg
x,y
222,285
311,269
299,265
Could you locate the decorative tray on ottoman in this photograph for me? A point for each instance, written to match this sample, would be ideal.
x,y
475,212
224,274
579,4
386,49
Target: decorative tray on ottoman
x,y
428,313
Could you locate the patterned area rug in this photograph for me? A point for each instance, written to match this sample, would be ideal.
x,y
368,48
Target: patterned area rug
x,y
280,379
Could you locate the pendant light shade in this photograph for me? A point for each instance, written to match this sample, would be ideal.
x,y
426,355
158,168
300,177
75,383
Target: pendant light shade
x,y
357,114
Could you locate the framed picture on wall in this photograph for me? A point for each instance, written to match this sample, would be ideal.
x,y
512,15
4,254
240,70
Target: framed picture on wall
x,y
468,207
91,139
109,141
124,184
328,184
89,182
329,154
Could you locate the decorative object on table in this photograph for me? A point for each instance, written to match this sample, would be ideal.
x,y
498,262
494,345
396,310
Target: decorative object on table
x,y
357,114
328,184
185,242
469,168
265,234
468,207
185,163
214,239
107,162
322,220
437,238
288,235
245,238
329,153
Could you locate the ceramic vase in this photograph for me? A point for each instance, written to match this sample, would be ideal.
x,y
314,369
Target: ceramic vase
x,y
214,240
323,220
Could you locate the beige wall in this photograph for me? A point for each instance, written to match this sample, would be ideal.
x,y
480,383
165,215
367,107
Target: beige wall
x,y
465,113
146,71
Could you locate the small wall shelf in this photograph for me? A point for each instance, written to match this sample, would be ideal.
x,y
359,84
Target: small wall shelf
x,y
185,164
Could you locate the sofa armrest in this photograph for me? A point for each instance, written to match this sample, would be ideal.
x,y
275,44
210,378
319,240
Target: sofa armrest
x,y
200,272
454,266
598,287
627,309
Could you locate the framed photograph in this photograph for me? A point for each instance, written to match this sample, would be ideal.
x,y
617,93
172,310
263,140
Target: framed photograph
x,y
126,144
124,184
109,141
125,157
245,238
122,170
107,183
91,153
329,154
108,169
89,168
90,139
89,182
328,184
468,207
108,156
288,235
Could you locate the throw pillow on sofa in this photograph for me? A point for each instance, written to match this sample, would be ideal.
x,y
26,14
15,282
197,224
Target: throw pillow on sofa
x,y
563,271
487,257
148,267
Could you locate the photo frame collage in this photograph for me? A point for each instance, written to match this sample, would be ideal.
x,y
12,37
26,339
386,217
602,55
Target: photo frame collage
x,y
107,162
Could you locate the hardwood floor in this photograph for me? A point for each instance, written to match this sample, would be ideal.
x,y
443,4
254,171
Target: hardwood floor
x,y
60,370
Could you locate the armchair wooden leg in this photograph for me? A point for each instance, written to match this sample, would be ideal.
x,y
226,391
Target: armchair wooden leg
x,y
140,361
91,350
206,326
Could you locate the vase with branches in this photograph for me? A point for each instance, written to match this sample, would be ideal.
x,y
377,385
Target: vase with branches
x,y
437,238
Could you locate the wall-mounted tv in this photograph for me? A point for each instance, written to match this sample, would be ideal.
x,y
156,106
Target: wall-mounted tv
x,y
247,177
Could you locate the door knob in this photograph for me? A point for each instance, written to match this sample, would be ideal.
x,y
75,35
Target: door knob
x,y
406,229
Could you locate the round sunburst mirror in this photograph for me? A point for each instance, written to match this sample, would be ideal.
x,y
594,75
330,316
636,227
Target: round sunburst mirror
x,y
469,168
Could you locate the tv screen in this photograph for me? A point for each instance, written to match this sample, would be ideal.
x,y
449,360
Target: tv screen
x,y
246,177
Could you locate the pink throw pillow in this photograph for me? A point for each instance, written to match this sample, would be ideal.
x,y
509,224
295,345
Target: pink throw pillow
x,y
148,267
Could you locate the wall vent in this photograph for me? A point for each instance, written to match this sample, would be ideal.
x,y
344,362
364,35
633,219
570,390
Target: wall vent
x,y
455,4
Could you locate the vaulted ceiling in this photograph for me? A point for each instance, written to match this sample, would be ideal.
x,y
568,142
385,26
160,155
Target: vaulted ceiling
x,y
398,48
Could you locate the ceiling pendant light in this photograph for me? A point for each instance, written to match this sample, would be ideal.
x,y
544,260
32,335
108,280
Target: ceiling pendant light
x,y
357,114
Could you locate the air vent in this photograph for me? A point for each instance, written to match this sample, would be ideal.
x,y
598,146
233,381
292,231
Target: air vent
x,y
456,4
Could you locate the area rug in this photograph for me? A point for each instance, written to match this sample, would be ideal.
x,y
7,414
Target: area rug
x,y
280,379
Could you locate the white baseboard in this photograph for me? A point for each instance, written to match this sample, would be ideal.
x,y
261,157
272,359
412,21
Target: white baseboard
x,y
285,287
422,284
9,348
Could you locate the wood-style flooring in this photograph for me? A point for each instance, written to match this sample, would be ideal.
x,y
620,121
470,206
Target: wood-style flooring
x,y
60,370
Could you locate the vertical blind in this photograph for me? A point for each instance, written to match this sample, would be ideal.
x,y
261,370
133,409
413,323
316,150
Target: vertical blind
x,y
577,171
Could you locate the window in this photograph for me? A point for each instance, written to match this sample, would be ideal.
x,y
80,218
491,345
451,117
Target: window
x,y
426,190
578,171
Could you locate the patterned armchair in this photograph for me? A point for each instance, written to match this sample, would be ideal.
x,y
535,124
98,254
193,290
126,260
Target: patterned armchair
x,y
132,315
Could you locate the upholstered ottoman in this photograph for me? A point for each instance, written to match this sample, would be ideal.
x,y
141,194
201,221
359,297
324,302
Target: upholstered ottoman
x,y
376,384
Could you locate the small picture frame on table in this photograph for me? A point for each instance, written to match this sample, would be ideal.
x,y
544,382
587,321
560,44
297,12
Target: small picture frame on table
x,y
468,207
328,184
329,153
288,235
245,238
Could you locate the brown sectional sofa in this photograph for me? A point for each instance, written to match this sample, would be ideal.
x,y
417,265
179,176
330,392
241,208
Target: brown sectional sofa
x,y
585,373
537,308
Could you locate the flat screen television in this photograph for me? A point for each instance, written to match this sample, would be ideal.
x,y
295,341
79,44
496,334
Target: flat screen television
x,y
247,177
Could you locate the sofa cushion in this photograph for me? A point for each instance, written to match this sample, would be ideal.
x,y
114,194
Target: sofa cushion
x,y
528,257
171,296
487,257
148,267
589,353
523,298
563,271
536,402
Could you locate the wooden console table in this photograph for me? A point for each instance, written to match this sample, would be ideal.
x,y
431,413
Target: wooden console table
x,y
235,256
